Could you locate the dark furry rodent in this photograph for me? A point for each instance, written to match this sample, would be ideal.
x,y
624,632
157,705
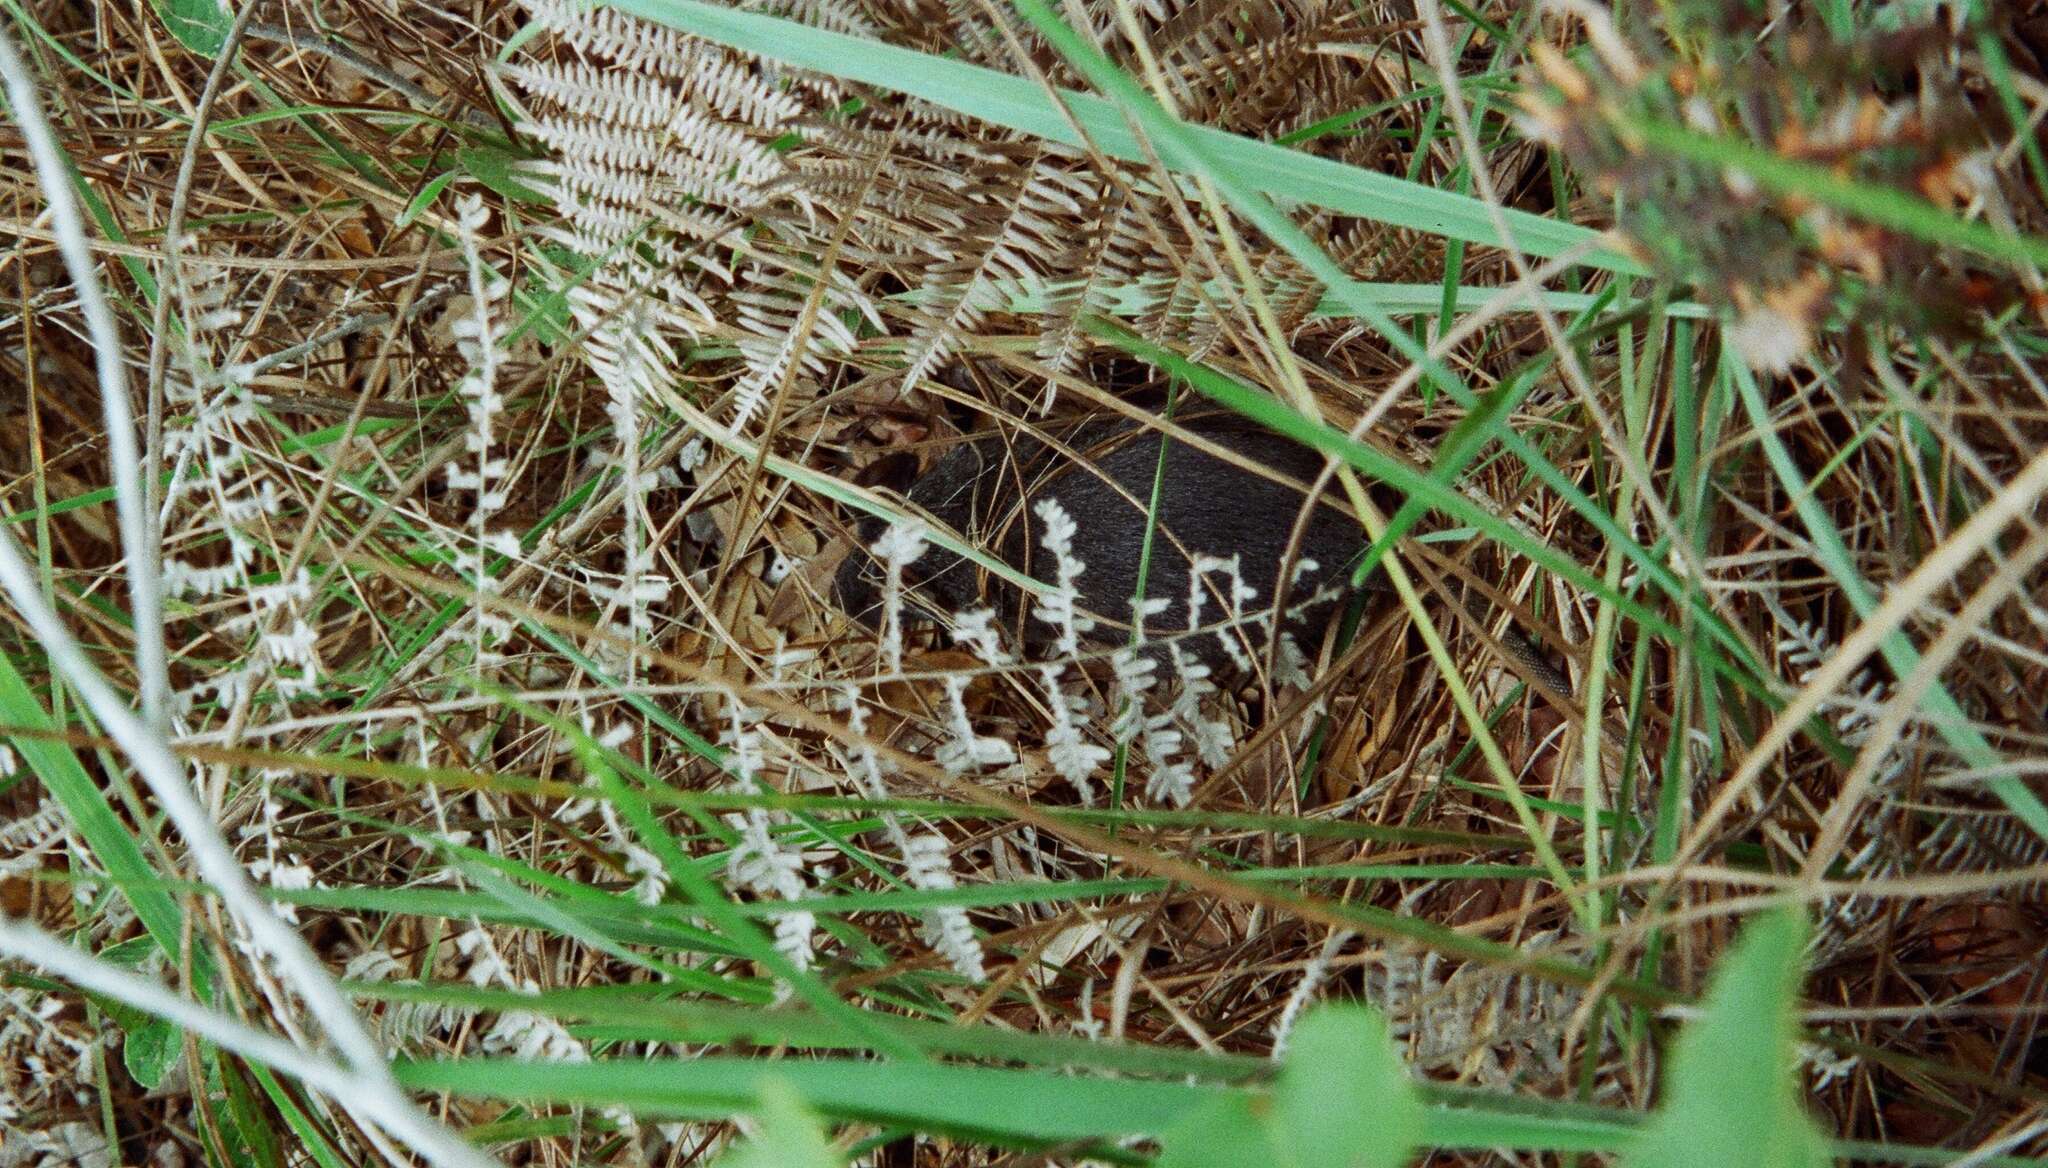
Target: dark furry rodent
x,y
985,490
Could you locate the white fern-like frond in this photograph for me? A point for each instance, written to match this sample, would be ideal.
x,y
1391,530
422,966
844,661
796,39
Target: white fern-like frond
x,y
783,317
659,146
1014,240
619,135
643,48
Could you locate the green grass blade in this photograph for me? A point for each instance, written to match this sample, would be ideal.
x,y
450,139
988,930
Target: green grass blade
x,y
61,774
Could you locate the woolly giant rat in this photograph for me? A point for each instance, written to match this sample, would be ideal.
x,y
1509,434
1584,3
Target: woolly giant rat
x,y
986,491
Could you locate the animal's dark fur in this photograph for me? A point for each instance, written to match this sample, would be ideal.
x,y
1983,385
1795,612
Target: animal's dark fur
x,y
985,490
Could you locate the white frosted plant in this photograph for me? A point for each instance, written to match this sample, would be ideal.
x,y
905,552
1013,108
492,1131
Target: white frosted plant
x,y
966,750
522,1034
1236,594
220,497
634,379
1212,738
401,1024
1136,669
651,877
1143,609
287,647
1086,1022
899,546
28,839
765,865
776,333
925,861
484,473
760,862
661,149
487,966
870,772
51,1060
1291,664
206,453
639,590
976,629
1304,567
1291,660
669,125
1301,597
274,866
476,340
1069,751
1136,673
946,927
1058,607
1172,780
1071,754
531,1037
575,810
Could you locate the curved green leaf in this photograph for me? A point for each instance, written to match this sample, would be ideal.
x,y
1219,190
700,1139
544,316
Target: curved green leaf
x,y
1732,1095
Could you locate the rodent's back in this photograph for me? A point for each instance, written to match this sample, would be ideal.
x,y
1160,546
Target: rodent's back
x,y
987,491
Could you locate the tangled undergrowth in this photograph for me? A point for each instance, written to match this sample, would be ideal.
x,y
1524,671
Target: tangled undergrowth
x,y
511,379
